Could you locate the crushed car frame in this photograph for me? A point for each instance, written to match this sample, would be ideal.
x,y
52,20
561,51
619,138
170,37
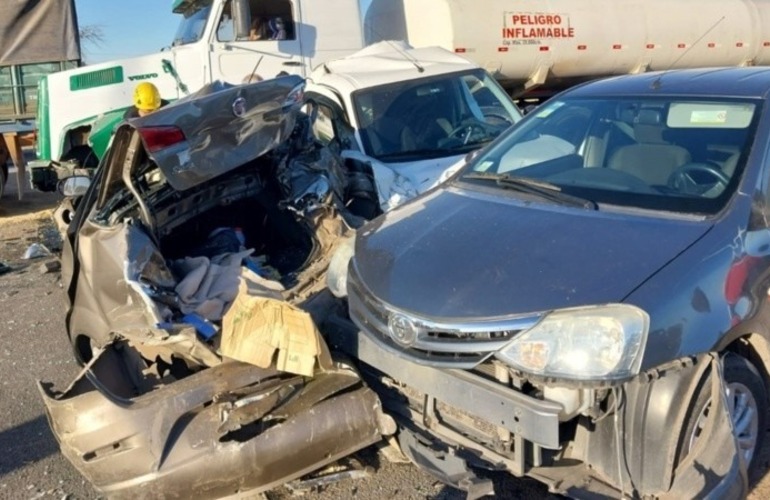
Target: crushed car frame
x,y
220,198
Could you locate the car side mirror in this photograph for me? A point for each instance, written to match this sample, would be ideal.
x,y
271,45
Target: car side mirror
x,y
76,185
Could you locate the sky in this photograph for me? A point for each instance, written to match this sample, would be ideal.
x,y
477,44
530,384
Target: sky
x,y
130,28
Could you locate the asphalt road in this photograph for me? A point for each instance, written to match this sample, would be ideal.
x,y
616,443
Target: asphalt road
x,y
33,346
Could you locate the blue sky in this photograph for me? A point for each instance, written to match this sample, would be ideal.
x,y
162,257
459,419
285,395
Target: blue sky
x,y
130,28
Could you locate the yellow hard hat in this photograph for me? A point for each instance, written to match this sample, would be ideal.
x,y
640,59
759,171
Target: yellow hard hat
x,y
146,97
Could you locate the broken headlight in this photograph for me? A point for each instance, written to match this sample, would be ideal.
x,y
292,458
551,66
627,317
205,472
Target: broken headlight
x,y
587,343
337,274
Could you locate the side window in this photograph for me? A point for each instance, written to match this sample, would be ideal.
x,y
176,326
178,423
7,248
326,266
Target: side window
x,y
272,20
323,127
268,20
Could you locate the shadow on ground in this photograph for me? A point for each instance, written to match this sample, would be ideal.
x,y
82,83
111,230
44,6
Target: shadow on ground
x,y
25,444
33,201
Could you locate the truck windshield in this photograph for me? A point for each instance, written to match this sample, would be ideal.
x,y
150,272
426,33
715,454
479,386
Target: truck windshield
x,y
193,23
674,154
433,117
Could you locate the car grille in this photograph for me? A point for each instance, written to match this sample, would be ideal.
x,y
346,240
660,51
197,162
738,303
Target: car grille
x,y
455,345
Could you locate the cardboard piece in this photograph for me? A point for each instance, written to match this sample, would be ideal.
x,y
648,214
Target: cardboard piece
x,y
255,327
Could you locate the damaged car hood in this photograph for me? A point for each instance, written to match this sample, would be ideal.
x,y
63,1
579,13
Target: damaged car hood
x,y
222,127
464,254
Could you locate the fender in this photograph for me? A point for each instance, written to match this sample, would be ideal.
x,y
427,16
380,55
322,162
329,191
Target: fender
x,y
651,420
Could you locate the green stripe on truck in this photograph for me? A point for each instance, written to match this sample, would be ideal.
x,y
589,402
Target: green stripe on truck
x,y
43,141
97,78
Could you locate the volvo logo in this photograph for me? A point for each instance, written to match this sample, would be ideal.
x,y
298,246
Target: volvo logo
x,y
402,330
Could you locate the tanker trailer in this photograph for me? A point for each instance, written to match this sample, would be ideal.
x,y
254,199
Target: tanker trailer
x,y
536,48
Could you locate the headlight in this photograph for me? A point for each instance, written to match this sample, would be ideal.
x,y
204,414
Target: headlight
x,y
337,274
587,343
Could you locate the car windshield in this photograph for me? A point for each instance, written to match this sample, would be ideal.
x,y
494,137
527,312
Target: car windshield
x,y
193,23
433,117
674,154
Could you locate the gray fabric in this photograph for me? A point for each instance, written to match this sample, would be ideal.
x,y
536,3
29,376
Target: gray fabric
x,y
653,163
208,286
38,31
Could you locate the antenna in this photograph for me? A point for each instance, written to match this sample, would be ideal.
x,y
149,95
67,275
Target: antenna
x,y
254,72
656,84
408,57
397,48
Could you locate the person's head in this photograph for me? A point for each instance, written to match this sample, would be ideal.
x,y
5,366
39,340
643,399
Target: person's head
x,y
146,98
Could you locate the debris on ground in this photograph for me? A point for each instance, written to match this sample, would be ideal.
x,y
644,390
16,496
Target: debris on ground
x,y
36,250
327,476
49,266
5,268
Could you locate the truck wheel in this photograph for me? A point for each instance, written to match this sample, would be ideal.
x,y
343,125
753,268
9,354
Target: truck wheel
x,y
746,402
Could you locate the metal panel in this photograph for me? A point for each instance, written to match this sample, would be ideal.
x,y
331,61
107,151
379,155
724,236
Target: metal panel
x,y
534,420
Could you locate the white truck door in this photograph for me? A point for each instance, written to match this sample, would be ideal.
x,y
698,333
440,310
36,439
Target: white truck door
x,y
273,44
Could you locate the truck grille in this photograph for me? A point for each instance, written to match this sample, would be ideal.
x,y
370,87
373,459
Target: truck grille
x,y
455,345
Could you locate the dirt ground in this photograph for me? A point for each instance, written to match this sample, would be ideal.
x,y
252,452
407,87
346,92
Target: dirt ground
x,y
33,346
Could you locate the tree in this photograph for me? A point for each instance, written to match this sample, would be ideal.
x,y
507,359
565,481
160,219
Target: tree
x,y
92,34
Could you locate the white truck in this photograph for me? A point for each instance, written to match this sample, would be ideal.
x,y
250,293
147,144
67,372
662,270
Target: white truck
x,y
533,48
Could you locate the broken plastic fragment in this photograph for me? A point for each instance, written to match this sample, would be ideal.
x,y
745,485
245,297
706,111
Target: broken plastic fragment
x,y
36,250
202,327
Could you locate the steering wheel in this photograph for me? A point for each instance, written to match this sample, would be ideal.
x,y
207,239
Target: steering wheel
x,y
497,116
466,130
683,181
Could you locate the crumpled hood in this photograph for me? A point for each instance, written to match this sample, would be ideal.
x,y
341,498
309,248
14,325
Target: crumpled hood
x,y
461,254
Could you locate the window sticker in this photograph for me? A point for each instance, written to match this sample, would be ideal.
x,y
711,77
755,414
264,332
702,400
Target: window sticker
x,y
708,117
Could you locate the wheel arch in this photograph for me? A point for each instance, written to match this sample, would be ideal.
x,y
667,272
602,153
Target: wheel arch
x,y
756,349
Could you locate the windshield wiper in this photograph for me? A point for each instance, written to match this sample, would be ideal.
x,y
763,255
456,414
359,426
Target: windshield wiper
x,y
545,190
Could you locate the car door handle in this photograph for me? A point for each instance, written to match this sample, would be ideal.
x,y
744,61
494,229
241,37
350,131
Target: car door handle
x,y
292,63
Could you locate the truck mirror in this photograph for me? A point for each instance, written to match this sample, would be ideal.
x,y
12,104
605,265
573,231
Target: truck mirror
x,y
241,19
76,185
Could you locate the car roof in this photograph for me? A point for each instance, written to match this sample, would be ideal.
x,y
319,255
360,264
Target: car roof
x,y
387,62
752,82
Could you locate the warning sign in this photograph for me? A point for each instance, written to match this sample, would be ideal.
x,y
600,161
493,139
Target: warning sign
x,y
533,27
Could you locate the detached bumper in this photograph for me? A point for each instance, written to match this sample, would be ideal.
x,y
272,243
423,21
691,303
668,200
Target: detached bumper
x,y
228,429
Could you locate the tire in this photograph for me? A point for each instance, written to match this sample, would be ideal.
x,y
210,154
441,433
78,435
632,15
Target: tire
x,y
747,403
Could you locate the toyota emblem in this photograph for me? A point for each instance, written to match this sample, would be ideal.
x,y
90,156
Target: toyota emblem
x,y
402,330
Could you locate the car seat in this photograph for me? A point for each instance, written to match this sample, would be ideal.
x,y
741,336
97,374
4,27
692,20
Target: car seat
x,y
652,159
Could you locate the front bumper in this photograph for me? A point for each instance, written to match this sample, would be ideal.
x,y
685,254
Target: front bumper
x,y
501,425
215,433
456,415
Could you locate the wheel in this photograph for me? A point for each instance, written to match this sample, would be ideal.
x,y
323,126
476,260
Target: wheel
x,y
747,404
688,178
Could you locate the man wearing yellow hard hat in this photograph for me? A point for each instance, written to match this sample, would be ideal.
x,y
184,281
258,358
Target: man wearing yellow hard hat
x,y
146,100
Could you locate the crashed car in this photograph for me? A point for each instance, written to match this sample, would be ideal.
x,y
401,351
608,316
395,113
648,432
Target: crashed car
x,y
585,301
208,222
